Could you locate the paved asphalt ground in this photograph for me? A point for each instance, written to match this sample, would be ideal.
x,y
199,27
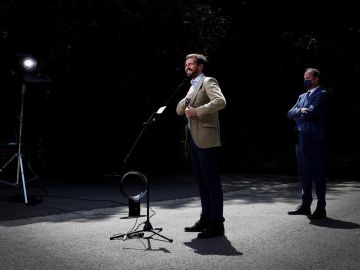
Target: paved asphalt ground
x,y
72,226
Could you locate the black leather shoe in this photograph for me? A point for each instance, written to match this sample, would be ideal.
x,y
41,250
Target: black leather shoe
x,y
318,214
300,210
212,231
197,227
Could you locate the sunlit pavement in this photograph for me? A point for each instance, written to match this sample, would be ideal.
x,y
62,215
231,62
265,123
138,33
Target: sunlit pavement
x,y
72,226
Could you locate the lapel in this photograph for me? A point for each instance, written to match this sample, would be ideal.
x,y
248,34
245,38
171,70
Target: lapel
x,y
302,101
312,96
196,90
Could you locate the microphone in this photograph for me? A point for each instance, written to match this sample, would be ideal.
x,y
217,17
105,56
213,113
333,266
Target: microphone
x,y
184,82
186,79
187,102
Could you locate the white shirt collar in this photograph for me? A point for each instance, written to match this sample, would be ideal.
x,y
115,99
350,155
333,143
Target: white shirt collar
x,y
197,79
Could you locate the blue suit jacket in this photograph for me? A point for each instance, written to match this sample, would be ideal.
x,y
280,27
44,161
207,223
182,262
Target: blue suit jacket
x,y
311,125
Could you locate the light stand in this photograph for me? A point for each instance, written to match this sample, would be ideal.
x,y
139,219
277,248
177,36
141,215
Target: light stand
x,y
19,155
29,65
147,225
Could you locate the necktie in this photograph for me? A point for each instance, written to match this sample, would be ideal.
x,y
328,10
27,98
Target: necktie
x,y
187,102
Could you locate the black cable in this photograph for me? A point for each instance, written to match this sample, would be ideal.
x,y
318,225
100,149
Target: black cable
x,y
133,229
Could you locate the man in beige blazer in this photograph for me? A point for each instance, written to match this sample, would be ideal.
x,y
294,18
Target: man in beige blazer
x,y
200,106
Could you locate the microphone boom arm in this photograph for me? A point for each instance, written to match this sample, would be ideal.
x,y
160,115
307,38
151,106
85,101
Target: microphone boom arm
x,y
153,118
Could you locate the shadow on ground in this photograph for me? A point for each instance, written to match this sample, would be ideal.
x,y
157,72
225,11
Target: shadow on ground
x,y
335,224
222,246
73,198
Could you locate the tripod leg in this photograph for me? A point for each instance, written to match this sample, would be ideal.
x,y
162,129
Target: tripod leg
x,y
5,165
138,234
158,234
8,162
37,177
21,167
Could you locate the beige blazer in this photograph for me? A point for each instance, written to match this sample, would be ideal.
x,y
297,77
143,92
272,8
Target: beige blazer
x,y
208,99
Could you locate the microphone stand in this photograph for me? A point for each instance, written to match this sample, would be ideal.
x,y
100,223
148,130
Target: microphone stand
x,y
147,225
153,117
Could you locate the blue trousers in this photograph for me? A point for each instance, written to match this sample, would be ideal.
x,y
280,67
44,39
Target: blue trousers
x,y
205,167
311,166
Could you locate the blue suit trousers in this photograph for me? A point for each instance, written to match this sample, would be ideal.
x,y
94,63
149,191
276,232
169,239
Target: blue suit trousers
x,y
205,168
311,166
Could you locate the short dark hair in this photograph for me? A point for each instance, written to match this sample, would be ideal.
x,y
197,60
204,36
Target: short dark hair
x,y
200,58
315,72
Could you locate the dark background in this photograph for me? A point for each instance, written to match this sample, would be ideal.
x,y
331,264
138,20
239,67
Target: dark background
x,y
114,62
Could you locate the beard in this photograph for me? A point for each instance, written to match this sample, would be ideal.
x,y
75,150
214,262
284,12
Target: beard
x,y
191,73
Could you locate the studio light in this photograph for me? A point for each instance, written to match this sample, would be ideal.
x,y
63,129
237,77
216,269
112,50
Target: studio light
x,y
29,63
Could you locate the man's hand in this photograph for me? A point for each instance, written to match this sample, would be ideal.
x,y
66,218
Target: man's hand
x,y
303,110
190,112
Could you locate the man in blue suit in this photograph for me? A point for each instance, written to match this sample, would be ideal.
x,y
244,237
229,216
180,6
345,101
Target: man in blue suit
x,y
309,114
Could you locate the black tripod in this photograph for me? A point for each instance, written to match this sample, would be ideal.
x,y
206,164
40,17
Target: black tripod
x,y
20,157
147,226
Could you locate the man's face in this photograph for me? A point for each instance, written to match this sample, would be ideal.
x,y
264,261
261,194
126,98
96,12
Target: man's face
x,y
309,76
191,68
